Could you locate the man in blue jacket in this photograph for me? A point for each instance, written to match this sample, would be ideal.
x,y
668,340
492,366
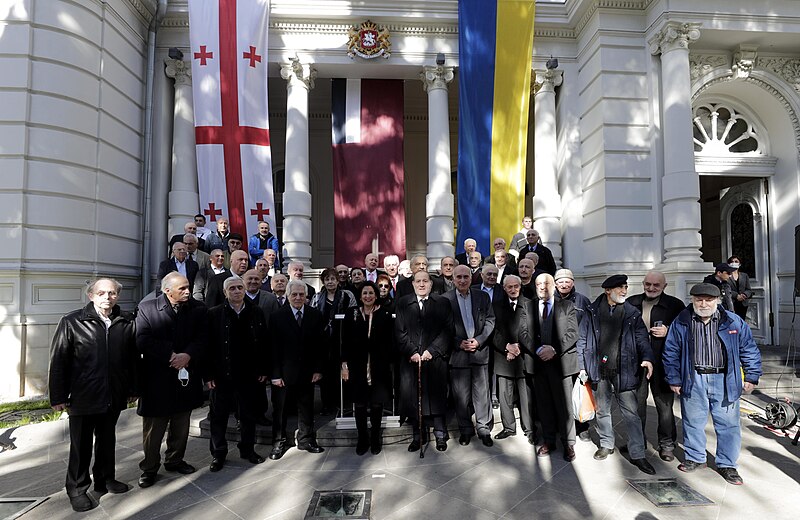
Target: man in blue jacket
x,y
261,241
706,351
613,345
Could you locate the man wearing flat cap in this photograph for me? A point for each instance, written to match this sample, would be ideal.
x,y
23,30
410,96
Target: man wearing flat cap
x,y
722,273
706,351
613,345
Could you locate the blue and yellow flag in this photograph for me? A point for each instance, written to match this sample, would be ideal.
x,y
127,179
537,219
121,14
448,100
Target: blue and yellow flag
x,y
495,44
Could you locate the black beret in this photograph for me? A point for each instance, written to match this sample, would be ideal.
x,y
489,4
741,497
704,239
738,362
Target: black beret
x,y
723,268
615,280
236,236
705,289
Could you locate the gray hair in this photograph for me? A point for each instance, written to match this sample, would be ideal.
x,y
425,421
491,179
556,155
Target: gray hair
x,y
93,283
414,258
190,237
169,280
230,281
512,278
296,283
391,258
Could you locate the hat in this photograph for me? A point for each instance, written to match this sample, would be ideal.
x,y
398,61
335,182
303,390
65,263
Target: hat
x,y
236,236
563,273
705,289
723,268
615,280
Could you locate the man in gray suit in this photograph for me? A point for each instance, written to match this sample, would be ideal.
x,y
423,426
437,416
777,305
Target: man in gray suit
x,y
473,319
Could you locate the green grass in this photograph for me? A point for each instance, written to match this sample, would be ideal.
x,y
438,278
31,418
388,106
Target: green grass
x,y
22,406
25,405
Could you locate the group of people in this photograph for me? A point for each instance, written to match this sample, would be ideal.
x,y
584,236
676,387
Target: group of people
x,y
510,325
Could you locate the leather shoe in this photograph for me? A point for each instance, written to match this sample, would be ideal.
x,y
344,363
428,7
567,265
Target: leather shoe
x,y
82,503
181,467
487,441
644,466
147,480
544,450
441,445
505,434
253,458
569,453
731,476
533,440
666,455
689,465
111,486
311,447
464,439
414,446
602,453
276,453
585,436
216,464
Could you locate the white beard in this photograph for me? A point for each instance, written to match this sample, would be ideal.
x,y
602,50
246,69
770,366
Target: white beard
x,y
619,300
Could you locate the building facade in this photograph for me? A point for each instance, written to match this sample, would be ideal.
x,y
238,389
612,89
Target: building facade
x,y
666,138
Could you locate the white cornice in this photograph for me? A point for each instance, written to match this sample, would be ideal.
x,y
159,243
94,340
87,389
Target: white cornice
x,y
145,8
623,5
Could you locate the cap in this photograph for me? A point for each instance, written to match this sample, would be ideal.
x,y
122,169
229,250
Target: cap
x,y
615,280
236,236
563,273
723,268
705,289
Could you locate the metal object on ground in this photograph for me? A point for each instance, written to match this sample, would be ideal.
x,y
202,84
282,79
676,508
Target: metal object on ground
x,y
668,492
15,507
781,414
354,503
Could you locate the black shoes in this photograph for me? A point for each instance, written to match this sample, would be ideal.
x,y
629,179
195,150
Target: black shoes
x,y
276,453
464,439
376,441
82,503
602,453
311,447
253,458
505,434
216,464
533,440
486,439
584,436
569,453
690,465
111,486
181,467
441,445
731,476
644,466
147,479
544,450
363,444
666,455
414,446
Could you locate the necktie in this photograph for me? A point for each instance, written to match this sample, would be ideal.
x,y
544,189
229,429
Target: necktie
x,y
299,317
546,310
281,300
422,307
513,306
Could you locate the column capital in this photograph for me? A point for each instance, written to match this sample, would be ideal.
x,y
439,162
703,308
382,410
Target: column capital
x,y
673,36
179,70
299,73
435,77
546,80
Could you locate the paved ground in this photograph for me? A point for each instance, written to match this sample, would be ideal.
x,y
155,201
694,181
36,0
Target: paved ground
x,y
464,483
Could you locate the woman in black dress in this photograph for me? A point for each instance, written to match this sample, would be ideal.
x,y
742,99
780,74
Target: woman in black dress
x,y
366,358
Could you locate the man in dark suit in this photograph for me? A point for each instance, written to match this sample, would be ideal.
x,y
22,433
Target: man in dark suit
x,y
170,338
278,283
513,339
191,229
424,333
267,303
470,245
214,294
294,271
297,357
473,319
503,268
489,284
204,275
405,286
546,262
556,366
658,310
179,262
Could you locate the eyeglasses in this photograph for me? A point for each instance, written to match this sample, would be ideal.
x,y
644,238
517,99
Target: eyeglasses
x,y
383,285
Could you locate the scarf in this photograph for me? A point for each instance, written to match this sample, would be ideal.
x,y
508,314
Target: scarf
x,y
608,348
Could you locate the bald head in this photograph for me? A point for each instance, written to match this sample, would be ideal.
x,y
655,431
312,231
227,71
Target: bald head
x,y
654,284
239,262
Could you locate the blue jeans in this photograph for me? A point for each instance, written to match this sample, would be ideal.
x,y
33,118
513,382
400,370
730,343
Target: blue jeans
x,y
708,393
627,406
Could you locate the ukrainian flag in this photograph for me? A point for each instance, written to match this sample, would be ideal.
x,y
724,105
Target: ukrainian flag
x,y
495,45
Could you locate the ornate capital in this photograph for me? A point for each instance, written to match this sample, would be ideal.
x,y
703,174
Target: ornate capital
x,y
744,61
435,77
179,70
673,36
546,80
297,73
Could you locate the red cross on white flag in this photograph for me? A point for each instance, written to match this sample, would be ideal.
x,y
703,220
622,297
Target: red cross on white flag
x,y
229,84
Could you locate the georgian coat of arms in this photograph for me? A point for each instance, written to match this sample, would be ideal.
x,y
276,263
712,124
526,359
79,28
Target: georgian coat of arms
x,y
368,41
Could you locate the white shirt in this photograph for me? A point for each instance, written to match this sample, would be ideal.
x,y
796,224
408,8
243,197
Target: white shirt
x,y
372,276
180,266
489,291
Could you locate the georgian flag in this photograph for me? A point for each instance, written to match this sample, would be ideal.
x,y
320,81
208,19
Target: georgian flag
x,y
229,85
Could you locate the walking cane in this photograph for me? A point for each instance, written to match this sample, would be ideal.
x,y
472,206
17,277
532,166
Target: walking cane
x,y
419,408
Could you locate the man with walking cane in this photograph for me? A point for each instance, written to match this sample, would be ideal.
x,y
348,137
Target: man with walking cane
x,y
424,331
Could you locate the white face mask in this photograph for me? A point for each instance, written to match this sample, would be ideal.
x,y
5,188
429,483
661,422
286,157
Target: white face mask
x,y
734,265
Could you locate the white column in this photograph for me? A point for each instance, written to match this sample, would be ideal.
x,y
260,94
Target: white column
x,y
297,197
681,184
546,199
439,201
184,201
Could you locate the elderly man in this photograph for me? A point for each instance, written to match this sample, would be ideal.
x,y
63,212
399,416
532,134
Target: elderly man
x,y
295,271
706,351
219,238
297,358
526,269
500,244
470,245
214,293
190,228
271,257
262,268
406,286
613,345
473,319
448,266
371,270
180,263
237,369
556,366
170,336
279,283
503,269
92,362
267,304
546,261
474,262
391,263
262,241
235,243
721,278
201,257
424,333
658,310
204,276
488,283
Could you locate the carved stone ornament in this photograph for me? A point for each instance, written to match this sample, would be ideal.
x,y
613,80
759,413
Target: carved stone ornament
x,y
368,41
546,80
702,64
436,76
786,68
674,35
179,70
744,61
299,72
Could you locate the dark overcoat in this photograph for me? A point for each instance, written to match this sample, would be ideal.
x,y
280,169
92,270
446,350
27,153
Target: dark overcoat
x,y
513,327
297,352
378,348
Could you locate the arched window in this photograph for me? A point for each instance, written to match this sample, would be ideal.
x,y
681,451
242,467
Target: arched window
x,y
720,131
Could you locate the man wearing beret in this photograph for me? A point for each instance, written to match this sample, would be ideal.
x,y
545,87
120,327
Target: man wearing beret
x,y
720,278
706,351
613,345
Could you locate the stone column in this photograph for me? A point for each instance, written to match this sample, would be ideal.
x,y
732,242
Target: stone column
x,y
546,200
439,201
681,184
297,197
184,201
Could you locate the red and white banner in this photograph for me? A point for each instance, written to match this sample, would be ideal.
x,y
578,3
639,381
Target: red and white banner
x,y
229,83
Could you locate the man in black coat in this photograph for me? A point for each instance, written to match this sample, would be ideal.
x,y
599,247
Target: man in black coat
x,y
658,310
179,262
405,286
214,293
92,363
473,319
721,278
556,366
236,371
297,358
267,303
513,342
546,262
205,274
170,336
424,333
